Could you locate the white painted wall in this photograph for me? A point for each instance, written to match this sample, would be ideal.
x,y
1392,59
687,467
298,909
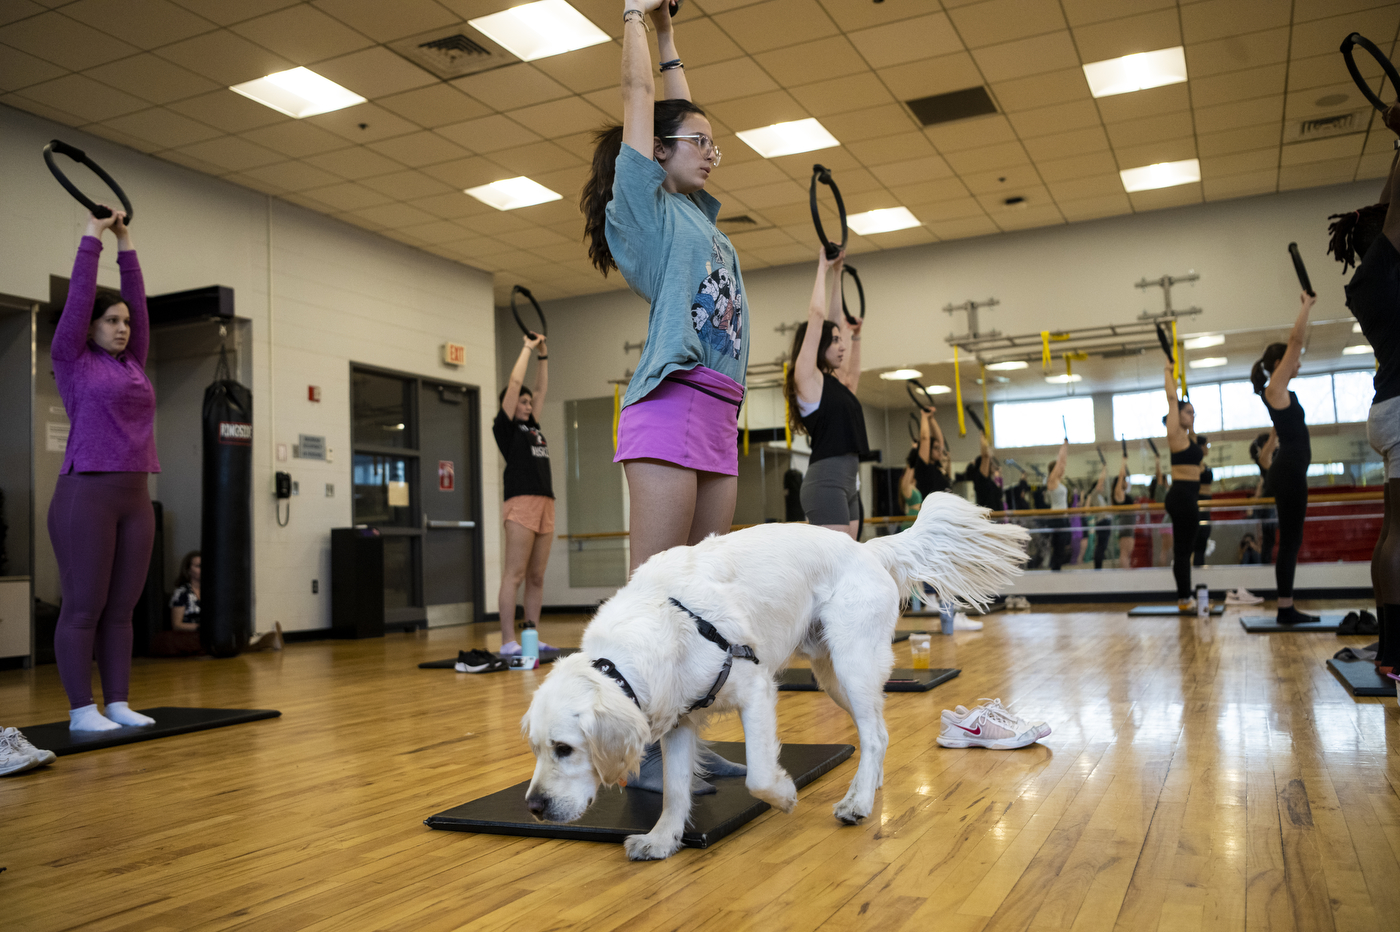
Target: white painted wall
x,y
337,295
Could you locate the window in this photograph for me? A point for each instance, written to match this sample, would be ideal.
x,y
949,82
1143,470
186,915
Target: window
x,y
1243,409
1038,423
1137,415
1353,392
1205,399
1315,395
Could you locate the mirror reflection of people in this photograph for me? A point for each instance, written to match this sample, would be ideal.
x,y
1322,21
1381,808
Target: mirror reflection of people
x,y
1183,498
1057,493
1287,481
1202,548
985,475
1249,550
100,520
1261,450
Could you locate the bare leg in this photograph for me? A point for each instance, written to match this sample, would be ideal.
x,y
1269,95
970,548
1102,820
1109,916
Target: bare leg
x,y
662,499
715,496
853,529
519,540
534,577
664,839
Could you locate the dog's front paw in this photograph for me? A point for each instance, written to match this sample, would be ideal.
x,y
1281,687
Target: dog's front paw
x,y
651,847
850,812
781,795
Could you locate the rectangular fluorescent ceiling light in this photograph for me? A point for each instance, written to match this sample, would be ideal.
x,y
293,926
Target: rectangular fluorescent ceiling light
x,y
1208,362
1136,72
539,30
298,93
1008,366
788,138
1063,379
901,375
1361,349
1160,175
882,221
513,193
1204,342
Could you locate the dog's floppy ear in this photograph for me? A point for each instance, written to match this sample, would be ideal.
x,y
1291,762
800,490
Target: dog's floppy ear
x,y
616,732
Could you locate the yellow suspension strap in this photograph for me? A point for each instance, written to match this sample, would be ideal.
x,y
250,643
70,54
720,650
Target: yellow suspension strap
x,y
1178,362
986,411
617,412
787,412
957,392
1044,349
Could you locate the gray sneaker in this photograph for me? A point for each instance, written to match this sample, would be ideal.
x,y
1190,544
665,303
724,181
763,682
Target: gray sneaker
x,y
18,755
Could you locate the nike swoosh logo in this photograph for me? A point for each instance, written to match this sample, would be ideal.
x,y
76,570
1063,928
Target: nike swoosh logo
x,y
971,731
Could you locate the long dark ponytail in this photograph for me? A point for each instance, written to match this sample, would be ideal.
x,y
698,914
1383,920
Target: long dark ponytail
x,y
667,116
1265,366
790,383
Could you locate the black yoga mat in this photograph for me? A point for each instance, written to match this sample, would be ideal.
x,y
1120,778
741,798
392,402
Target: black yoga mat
x,y
170,721
1268,624
546,656
618,813
1360,678
1154,610
800,679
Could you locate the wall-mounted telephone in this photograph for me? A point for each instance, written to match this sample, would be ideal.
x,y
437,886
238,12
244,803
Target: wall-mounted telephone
x,y
282,488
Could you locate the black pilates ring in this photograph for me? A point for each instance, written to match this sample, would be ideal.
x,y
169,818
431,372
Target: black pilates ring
x,y
860,291
676,6
915,423
544,324
1301,269
99,211
822,174
923,404
975,419
1355,39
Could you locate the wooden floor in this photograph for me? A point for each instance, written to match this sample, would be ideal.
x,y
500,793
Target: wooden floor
x,y
1197,778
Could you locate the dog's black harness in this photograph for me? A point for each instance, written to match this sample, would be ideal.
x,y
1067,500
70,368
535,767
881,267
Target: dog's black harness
x,y
710,633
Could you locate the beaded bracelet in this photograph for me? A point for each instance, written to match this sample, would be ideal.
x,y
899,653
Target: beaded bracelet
x,y
671,65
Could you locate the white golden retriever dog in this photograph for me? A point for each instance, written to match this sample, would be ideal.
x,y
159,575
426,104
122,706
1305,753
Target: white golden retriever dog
x,y
779,589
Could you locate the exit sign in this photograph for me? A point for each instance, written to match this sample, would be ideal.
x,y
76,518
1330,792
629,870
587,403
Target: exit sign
x,y
454,354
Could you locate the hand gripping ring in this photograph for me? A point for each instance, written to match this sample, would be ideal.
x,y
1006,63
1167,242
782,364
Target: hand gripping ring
x,y
860,291
544,324
920,399
81,157
823,175
1357,38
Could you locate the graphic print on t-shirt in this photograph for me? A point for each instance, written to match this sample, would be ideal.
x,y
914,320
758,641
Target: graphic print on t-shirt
x,y
717,311
539,447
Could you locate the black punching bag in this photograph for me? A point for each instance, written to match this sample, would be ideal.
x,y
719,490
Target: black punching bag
x,y
226,589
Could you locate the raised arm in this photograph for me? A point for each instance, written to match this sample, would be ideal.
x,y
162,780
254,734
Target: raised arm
x,y
1057,472
1120,485
985,464
138,345
805,374
638,85
1177,438
517,375
673,83
541,373
1102,480
849,373
1276,392
70,337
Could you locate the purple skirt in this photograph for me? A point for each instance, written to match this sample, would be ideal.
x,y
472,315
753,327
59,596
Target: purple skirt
x,y
690,419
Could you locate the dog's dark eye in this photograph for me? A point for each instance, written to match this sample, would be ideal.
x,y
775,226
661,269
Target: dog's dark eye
x,y
562,750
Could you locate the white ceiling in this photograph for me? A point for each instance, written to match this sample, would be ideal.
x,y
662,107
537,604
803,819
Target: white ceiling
x,y
153,75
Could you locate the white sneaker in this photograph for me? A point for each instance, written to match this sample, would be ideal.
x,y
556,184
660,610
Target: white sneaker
x,y
18,755
962,623
1242,597
988,726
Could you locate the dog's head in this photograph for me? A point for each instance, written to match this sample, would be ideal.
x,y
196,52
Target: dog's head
x,y
584,731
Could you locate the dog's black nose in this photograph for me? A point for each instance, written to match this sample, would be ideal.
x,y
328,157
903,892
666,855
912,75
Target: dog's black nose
x,y
537,805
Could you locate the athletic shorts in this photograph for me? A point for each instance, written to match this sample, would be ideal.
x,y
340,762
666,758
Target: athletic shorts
x,y
830,491
691,420
1383,431
534,512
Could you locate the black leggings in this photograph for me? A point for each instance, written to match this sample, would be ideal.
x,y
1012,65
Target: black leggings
x,y
1288,484
1183,506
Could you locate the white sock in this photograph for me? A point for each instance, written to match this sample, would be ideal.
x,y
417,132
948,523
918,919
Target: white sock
x,y
121,713
88,718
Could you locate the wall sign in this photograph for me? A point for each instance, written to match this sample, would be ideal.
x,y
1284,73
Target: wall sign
x,y
454,354
447,476
309,447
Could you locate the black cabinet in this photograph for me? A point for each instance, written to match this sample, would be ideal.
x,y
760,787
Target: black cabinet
x,y
357,583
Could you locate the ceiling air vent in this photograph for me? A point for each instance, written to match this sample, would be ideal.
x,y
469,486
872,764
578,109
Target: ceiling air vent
x,y
957,105
741,220
448,55
1340,124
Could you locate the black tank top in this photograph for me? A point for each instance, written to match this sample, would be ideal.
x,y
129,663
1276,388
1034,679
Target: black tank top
x,y
1294,442
837,427
1191,456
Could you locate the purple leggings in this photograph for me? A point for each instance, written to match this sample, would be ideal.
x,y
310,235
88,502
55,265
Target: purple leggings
x,y
102,527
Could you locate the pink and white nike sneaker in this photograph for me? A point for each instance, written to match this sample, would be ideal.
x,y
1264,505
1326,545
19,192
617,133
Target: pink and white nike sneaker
x,y
988,726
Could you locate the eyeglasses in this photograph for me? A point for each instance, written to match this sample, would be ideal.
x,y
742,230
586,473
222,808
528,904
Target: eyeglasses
x,y
706,144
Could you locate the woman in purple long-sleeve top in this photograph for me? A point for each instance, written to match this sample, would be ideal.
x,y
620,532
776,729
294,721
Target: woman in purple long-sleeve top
x,y
100,521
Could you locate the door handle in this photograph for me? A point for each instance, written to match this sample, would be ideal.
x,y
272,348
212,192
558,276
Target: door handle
x,y
451,524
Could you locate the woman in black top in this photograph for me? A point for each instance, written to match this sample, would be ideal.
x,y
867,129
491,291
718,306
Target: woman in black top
x,y
820,390
528,512
1287,480
1262,452
926,464
1183,499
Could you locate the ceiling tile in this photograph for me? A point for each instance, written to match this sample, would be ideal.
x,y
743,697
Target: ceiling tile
x,y
405,185
1179,196
534,238
42,110
436,231
224,58
1244,185
964,228
1151,102
302,34
1064,145
375,72
1315,174
1167,150
563,117
1240,114
58,39
1319,150
593,68
784,192
231,153
146,24
1242,139
19,69
1037,55
121,138
1002,183
13,10
433,106
228,111
348,196
512,86
793,65
295,138
418,149
1327,70
608,100
354,163
151,78
1239,163
913,171
1268,81
741,77
164,127
840,95
998,21
775,24
255,184
869,124
988,157
971,133
1042,90
1149,130
1059,118
941,191
1374,165
931,76
558,213
885,150
84,97
1029,218
1236,53
1320,37
1080,12
394,216
1215,19
363,123
488,134
898,239
1083,189
852,16
493,222
225,12
449,206
1129,35
750,174
467,173
1095,208
705,43
535,158
292,176
385,22
1081,166
907,40
764,109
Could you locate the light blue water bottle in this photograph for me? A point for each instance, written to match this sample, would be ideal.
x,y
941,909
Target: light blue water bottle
x,y
530,641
